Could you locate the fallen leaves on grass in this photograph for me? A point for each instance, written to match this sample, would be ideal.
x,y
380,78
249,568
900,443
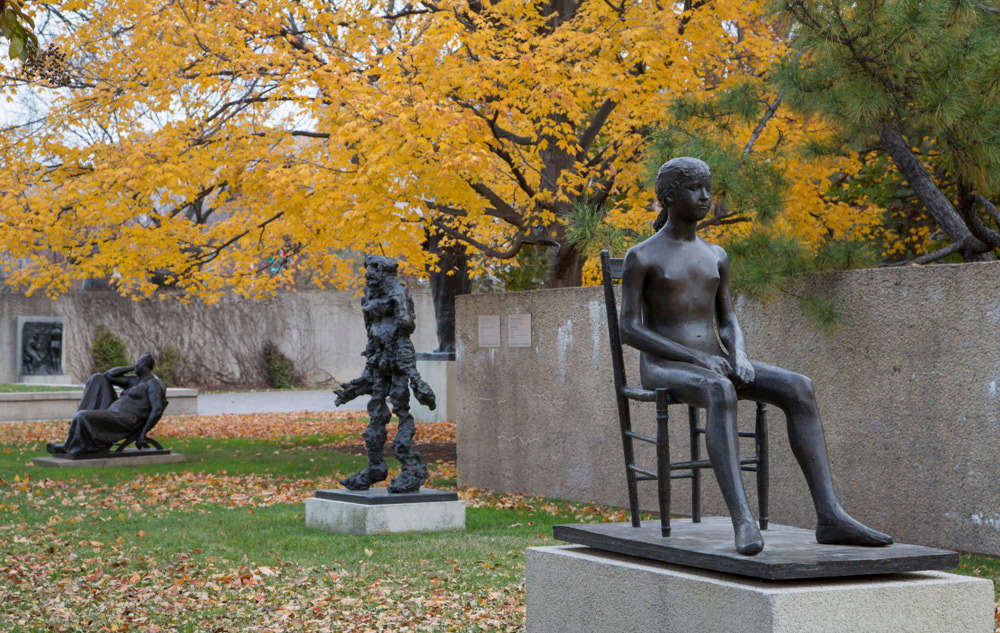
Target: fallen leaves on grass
x,y
335,428
52,583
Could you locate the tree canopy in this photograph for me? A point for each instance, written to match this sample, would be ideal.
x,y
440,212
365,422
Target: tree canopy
x,y
231,144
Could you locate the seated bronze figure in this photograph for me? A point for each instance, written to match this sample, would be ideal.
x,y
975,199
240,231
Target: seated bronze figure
x,y
676,309
105,418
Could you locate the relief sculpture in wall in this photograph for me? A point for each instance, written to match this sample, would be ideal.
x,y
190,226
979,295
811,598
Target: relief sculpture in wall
x,y
41,348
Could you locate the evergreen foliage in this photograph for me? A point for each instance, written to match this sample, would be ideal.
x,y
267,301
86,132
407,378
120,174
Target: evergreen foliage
x,y
280,368
168,365
927,71
108,349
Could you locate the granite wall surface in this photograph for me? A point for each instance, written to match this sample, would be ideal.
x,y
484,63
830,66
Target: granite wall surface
x,y
322,331
909,390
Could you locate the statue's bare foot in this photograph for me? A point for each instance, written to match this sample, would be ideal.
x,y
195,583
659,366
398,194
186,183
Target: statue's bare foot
x,y
55,449
409,480
844,530
364,479
749,542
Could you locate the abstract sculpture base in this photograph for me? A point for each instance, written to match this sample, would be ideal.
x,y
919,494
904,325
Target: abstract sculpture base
x,y
789,552
375,511
572,588
109,459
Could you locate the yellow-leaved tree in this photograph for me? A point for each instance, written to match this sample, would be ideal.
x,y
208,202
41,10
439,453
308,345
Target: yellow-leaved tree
x,y
225,144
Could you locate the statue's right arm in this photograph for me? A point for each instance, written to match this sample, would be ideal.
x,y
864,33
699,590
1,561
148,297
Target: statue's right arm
x,y
635,333
116,376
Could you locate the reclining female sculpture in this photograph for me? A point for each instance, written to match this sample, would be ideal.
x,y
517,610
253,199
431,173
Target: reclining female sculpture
x,y
105,418
675,310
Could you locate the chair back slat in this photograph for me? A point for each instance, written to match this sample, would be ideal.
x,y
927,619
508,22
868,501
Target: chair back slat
x,y
611,269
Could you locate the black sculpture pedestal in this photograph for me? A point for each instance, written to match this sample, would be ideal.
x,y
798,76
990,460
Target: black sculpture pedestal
x,y
376,511
111,459
790,553
574,588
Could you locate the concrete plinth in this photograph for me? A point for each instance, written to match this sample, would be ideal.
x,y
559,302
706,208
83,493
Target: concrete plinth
x,y
372,513
128,458
572,589
62,405
438,372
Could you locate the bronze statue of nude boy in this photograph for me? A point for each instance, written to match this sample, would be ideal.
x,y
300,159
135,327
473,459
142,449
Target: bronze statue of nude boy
x,y
675,310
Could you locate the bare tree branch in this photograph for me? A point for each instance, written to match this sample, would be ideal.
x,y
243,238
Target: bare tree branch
x,y
600,117
927,258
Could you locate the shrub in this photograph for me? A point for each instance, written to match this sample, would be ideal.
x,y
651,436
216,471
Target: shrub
x,y
280,368
108,349
167,366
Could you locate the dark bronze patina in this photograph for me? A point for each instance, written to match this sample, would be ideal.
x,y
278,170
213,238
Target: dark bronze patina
x,y
41,353
104,418
676,310
390,372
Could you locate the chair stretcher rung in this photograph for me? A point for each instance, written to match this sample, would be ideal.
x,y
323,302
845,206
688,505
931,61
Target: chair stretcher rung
x,y
741,433
641,471
751,469
645,478
636,436
682,475
704,463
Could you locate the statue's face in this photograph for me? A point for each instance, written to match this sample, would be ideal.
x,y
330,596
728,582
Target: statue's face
x,y
692,198
145,362
378,268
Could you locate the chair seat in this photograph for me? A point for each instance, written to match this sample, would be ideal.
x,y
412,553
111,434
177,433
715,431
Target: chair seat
x,y
637,393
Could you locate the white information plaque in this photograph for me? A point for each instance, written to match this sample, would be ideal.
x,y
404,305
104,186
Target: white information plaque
x,y
489,330
519,330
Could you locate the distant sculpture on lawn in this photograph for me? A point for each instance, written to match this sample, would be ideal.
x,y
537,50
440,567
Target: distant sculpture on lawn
x,y
675,310
104,418
390,372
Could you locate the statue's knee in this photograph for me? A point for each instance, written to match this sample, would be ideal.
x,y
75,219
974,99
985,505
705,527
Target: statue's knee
x,y
720,392
374,434
802,388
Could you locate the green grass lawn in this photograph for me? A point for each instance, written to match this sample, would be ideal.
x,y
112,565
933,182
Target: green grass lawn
x,y
6,387
220,544
211,520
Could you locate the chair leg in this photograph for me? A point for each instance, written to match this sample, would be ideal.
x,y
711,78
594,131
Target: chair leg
x,y
663,459
695,472
762,464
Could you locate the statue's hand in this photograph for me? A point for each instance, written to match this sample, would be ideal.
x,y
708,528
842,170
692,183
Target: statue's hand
x,y
744,373
141,442
719,365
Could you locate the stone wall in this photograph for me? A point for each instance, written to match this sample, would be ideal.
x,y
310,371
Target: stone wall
x,y
908,390
321,331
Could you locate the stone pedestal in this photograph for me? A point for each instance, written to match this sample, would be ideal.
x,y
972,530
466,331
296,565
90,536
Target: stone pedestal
x,y
572,588
375,511
128,457
438,370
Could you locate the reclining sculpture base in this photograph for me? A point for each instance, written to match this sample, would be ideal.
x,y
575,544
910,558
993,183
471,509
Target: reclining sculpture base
x,y
793,552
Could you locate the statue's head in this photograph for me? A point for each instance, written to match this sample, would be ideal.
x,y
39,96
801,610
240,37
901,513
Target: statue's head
x,y
379,268
145,362
674,175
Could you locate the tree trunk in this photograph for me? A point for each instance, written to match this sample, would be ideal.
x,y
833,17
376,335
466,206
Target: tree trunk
x,y
936,203
444,287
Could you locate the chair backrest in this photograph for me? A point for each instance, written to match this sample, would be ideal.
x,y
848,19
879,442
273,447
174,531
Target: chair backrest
x,y
611,269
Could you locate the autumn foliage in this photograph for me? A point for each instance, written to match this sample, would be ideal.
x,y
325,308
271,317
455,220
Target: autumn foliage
x,y
250,145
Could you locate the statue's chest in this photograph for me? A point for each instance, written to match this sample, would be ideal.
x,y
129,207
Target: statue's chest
x,y
377,308
694,276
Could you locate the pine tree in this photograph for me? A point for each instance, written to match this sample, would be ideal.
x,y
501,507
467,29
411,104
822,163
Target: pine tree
x,y
919,82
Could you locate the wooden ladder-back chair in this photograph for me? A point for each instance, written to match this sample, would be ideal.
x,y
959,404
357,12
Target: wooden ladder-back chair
x,y
612,270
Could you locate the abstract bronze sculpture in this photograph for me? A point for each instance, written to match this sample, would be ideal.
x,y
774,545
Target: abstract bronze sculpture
x,y
390,372
676,308
105,418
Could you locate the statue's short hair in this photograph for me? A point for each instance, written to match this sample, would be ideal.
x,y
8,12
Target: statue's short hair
x,y
671,174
